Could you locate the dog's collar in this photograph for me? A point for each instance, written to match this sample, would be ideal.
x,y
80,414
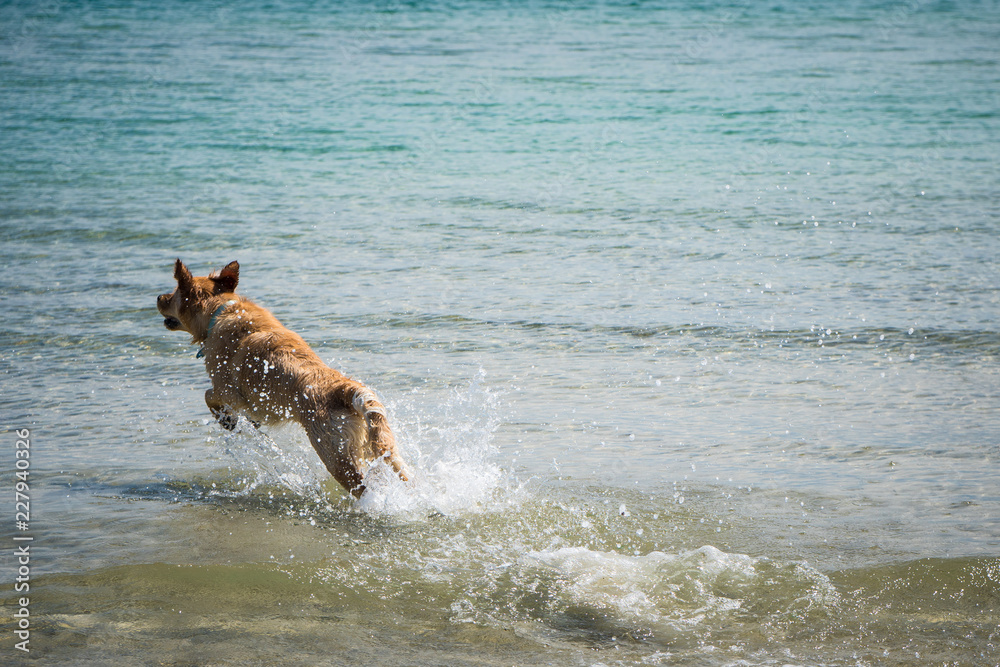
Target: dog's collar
x,y
211,324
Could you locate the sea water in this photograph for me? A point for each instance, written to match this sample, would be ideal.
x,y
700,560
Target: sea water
x,y
685,315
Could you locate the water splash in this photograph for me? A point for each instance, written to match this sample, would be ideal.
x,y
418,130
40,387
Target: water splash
x,y
448,445
281,458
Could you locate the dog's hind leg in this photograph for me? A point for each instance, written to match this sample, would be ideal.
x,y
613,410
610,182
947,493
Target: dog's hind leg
x,y
332,439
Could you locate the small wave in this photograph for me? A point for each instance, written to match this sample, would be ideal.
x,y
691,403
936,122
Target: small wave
x,y
677,594
679,590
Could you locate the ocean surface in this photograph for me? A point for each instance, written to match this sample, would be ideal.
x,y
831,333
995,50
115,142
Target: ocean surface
x,y
686,315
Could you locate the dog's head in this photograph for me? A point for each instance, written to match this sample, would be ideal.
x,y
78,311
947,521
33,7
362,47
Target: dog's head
x,y
190,306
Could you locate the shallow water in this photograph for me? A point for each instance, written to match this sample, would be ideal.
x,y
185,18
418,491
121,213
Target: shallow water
x,y
685,317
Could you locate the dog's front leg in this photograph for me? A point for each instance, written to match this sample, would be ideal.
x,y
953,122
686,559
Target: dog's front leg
x,y
223,413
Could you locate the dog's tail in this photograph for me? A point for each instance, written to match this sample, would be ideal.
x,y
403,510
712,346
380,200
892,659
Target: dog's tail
x,y
381,441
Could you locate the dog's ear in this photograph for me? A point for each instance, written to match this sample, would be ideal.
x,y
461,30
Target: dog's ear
x,y
182,275
228,278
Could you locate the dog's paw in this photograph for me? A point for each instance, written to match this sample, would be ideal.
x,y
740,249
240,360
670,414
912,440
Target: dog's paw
x,y
229,420
226,419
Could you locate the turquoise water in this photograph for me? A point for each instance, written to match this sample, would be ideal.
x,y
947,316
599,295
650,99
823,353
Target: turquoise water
x,y
685,314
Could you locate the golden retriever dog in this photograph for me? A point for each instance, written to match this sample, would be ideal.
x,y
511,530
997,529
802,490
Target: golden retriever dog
x,y
268,373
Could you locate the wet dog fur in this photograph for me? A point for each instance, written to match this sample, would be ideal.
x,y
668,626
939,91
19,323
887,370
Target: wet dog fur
x,y
268,373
